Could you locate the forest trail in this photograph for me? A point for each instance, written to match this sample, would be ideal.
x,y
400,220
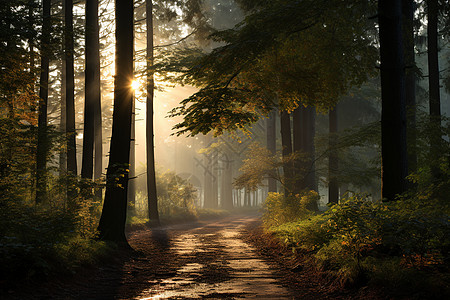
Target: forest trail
x,y
200,260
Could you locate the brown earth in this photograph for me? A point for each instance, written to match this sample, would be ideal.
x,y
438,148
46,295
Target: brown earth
x,y
230,258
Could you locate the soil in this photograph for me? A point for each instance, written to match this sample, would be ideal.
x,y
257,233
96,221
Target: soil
x,y
230,258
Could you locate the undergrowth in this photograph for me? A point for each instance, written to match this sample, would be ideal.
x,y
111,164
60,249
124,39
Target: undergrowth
x,y
401,245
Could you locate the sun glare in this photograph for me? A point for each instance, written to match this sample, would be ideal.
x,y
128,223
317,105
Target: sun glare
x,y
135,85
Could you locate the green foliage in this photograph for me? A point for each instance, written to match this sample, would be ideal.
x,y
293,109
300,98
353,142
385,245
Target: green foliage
x,y
359,238
175,195
279,209
323,48
176,199
41,240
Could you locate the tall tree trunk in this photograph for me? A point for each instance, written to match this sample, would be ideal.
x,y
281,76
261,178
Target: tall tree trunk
x,y
151,174
333,160
215,186
410,82
97,107
92,87
227,185
42,142
298,131
286,141
433,81
393,115
272,147
309,127
114,213
132,180
70,97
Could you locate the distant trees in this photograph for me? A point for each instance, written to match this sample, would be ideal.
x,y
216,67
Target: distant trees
x,y
322,55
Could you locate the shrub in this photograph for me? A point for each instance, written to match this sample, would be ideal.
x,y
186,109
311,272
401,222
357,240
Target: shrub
x,y
279,209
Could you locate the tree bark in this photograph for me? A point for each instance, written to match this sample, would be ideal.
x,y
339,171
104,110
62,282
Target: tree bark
x,y
42,142
393,115
410,82
92,88
433,82
227,185
272,147
309,127
333,159
114,213
298,131
70,96
286,141
151,174
132,181
433,60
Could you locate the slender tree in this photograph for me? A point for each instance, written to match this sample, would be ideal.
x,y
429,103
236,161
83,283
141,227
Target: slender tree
x,y
433,79
114,213
271,146
42,143
333,160
393,115
70,92
151,176
92,88
286,142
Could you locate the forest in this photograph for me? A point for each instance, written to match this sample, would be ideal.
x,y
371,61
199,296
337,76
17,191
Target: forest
x,y
188,149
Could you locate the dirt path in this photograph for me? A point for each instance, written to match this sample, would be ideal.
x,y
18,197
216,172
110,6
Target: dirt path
x,y
205,260
188,261
202,260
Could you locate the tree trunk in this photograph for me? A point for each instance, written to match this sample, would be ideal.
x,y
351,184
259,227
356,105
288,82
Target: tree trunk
x,y
151,175
298,131
309,129
227,186
433,61
132,180
272,147
70,97
286,141
433,81
92,87
333,160
410,82
42,142
393,115
215,186
114,213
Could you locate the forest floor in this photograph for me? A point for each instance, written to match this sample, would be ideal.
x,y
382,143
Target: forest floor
x,y
229,258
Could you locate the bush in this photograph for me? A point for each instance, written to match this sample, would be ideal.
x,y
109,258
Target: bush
x,y
390,243
279,209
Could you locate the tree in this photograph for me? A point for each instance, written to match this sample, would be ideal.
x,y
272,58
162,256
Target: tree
x,y
410,81
333,159
271,146
70,93
113,218
92,108
393,117
42,141
433,79
286,143
151,176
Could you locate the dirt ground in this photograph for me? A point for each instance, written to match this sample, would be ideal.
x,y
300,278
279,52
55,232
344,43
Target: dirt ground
x,y
230,258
